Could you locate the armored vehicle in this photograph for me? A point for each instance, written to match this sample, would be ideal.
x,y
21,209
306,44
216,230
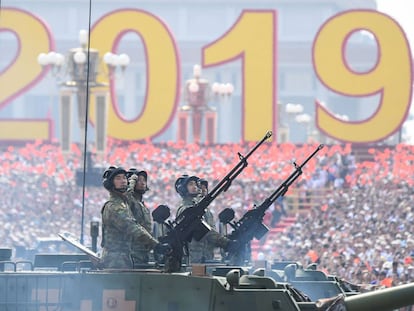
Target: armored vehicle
x,y
74,286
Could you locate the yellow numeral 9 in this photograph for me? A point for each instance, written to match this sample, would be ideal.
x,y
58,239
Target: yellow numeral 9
x,y
391,76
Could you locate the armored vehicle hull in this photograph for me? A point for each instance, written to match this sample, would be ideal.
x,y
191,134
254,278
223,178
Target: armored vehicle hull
x,y
132,290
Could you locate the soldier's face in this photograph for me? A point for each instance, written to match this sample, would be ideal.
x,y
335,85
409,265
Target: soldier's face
x,y
192,187
204,190
141,183
120,181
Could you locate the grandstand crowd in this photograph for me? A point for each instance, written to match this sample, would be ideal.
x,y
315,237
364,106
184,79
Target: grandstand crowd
x,y
360,229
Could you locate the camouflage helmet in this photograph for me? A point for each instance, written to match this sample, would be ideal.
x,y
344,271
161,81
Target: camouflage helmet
x,y
109,175
134,171
204,182
182,182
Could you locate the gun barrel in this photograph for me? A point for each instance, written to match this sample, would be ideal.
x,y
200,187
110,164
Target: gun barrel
x,y
225,183
189,224
251,224
382,299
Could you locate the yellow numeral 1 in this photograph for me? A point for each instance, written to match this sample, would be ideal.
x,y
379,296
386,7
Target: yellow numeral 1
x,y
253,40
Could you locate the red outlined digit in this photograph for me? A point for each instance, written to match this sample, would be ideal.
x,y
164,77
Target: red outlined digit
x,y
33,37
253,40
391,76
163,75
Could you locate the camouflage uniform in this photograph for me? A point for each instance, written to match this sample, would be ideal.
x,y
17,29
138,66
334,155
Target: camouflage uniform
x,y
119,230
209,247
200,251
139,251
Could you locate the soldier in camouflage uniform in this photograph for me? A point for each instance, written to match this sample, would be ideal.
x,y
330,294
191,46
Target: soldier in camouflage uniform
x,y
118,224
188,187
136,189
208,250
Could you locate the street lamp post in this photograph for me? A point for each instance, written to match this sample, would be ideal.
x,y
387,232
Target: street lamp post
x,y
305,120
77,74
312,134
285,113
197,93
223,92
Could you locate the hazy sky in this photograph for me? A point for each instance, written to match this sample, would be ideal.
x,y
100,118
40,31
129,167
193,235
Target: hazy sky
x,y
403,12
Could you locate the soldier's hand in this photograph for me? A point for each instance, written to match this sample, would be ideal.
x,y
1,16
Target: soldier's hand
x,y
133,180
163,249
96,263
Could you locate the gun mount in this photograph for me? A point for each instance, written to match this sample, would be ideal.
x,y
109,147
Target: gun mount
x,y
251,224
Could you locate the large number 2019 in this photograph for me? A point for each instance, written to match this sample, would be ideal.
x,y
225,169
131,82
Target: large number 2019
x,y
252,39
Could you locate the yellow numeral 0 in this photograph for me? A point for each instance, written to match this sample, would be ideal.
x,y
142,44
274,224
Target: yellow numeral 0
x,y
163,75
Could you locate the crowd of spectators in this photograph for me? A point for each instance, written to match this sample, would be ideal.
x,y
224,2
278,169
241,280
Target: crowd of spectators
x,y
361,229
